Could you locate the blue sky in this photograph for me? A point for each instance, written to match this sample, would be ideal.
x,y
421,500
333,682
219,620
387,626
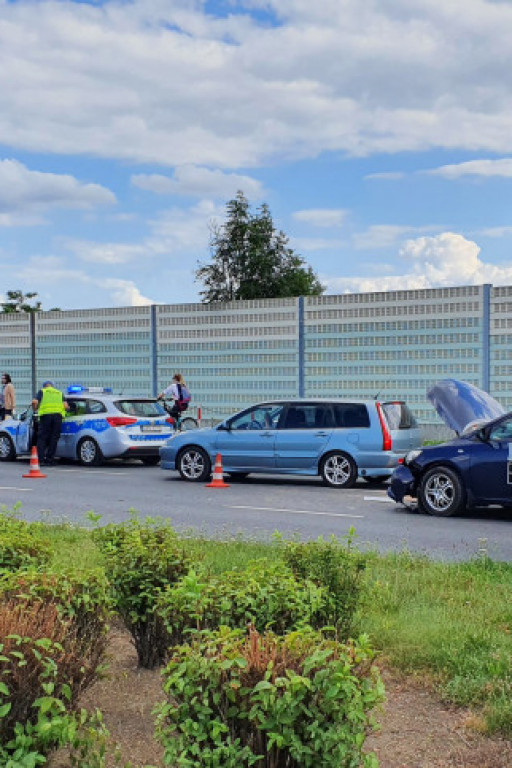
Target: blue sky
x,y
379,132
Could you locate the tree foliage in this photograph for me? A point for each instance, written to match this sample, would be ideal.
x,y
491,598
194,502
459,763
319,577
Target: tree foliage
x,y
17,301
252,260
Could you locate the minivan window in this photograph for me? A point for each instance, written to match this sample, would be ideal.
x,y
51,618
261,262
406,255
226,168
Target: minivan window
x,y
350,415
308,416
399,416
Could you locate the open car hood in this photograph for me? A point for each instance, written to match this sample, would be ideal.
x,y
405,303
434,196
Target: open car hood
x,y
459,403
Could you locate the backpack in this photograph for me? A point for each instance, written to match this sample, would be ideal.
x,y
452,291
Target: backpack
x,y
185,397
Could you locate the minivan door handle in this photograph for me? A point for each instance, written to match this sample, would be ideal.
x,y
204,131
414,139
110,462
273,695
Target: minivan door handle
x,y
321,434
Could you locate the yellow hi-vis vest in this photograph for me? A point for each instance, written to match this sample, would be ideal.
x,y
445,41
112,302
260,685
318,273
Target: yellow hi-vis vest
x,y
51,402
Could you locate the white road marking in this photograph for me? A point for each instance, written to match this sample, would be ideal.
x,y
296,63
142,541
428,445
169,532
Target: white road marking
x,y
12,488
385,499
93,471
296,511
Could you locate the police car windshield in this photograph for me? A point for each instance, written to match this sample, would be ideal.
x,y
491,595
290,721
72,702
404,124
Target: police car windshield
x,y
140,408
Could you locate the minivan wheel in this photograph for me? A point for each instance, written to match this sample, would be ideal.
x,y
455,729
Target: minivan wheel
x,y
7,449
194,464
441,492
89,453
338,470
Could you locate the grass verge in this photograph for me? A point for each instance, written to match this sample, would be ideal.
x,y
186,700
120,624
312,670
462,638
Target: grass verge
x,y
448,622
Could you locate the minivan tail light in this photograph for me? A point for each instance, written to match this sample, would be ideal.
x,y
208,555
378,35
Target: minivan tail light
x,y
121,421
386,434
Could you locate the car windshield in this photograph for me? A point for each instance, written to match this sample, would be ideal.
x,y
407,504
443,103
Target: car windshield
x,y
140,408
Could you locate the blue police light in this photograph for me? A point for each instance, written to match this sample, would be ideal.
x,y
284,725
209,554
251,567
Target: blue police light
x,y
75,389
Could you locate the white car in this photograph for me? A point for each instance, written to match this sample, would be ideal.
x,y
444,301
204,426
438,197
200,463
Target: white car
x,y
99,425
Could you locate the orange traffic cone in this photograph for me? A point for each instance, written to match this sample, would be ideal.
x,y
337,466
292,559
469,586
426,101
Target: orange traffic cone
x,y
217,479
34,465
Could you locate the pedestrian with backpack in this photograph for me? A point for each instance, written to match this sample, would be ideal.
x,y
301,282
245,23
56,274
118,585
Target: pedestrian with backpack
x,y
179,393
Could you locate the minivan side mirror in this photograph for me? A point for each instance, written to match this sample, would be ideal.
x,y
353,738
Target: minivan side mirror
x,y
224,427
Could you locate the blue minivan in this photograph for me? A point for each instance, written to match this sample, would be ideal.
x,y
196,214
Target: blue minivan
x,y
339,440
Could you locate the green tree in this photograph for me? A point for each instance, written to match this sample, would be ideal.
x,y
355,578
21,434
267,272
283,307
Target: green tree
x,y
17,301
252,260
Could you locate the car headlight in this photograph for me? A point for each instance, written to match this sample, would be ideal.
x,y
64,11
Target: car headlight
x,y
412,455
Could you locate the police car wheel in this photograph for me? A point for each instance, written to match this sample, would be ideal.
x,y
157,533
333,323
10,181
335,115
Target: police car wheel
x,y
441,492
194,464
7,449
89,452
338,470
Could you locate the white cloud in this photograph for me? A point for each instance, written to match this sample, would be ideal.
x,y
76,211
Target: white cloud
x,y
105,253
166,82
199,182
322,217
386,175
125,293
175,233
52,271
25,194
487,168
379,236
447,259
496,232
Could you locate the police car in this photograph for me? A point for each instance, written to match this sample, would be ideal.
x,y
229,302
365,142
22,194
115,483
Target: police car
x,y
99,425
473,470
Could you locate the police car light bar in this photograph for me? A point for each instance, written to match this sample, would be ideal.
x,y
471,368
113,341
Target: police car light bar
x,y
75,389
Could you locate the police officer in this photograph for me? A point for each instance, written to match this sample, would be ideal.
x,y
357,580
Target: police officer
x,y
51,406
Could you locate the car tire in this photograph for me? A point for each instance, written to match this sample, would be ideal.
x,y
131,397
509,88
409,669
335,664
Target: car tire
x,y
338,470
194,464
150,461
7,449
188,423
441,492
89,453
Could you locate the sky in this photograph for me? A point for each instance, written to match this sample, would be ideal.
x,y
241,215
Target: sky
x,y
379,133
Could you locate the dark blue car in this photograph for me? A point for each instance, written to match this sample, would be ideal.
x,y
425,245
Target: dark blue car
x,y
474,469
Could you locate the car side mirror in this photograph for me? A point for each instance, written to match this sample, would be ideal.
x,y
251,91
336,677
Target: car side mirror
x,y
224,427
23,416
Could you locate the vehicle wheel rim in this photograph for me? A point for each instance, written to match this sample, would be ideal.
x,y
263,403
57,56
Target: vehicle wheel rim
x,y
337,470
192,464
5,447
439,492
88,451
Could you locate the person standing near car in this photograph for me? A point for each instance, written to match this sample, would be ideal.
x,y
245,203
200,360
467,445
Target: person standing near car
x,y
51,406
178,393
8,397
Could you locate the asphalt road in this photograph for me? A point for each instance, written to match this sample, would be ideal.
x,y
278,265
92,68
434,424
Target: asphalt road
x,y
255,507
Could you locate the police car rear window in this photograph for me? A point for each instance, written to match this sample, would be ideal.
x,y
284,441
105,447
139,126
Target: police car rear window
x,y
140,408
80,407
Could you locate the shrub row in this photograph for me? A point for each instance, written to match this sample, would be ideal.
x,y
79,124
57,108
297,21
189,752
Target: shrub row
x,y
297,701
52,642
279,694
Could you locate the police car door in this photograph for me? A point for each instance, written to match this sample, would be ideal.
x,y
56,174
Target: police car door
x,y
25,431
491,464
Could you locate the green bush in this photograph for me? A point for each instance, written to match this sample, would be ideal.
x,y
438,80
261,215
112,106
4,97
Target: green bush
x,y
42,674
141,559
22,544
298,701
266,595
339,571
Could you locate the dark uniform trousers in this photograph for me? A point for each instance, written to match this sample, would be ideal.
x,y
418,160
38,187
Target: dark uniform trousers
x,y
50,425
